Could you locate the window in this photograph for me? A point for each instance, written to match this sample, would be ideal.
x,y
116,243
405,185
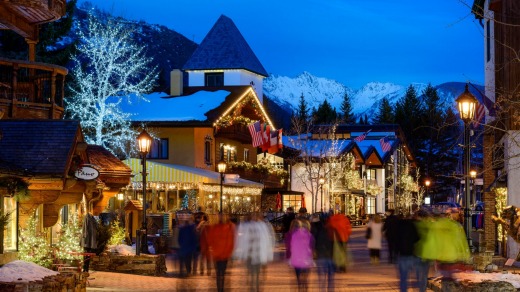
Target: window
x,y
246,155
10,228
371,174
214,79
159,149
371,205
207,152
294,201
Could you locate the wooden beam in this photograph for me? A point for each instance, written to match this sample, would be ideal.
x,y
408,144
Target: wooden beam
x,y
18,24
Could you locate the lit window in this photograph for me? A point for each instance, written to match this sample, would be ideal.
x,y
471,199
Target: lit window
x,y
246,155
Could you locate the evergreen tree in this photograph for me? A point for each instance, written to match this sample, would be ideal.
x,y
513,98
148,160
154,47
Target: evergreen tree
x,y
109,68
69,240
325,113
385,113
33,245
408,113
346,110
303,109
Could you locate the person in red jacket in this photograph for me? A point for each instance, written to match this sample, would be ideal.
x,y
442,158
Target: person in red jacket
x,y
219,239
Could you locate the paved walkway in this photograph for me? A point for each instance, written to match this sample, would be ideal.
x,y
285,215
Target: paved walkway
x,y
278,276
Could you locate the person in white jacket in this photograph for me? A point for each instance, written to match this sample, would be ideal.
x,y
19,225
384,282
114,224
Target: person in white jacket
x,y
254,245
374,241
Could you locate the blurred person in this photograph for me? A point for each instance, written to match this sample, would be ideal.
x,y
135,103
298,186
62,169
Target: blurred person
x,y
406,238
374,242
300,246
339,229
188,242
219,240
205,256
423,222
390,230
301,220
323,248
287,219
445,242
255,246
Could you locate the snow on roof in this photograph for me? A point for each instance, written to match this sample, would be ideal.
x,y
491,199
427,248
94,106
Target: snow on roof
x,y
315,147
181,108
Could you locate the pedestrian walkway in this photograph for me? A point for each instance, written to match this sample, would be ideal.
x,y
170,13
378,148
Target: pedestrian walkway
x,y
278,276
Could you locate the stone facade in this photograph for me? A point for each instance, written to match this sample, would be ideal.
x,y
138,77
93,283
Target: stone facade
x,y
148,265
489,197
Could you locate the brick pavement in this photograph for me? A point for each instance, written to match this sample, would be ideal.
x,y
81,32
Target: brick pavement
x,y
278,276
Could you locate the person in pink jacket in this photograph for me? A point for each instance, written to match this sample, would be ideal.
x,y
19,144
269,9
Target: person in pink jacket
x,y
300,247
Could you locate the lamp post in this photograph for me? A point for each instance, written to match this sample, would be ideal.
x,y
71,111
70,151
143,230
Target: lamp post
x,y
321,181
427,183
467,104
221,169
144,143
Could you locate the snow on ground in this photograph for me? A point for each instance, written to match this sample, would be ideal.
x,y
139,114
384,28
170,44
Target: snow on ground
x,y
22,271
476,276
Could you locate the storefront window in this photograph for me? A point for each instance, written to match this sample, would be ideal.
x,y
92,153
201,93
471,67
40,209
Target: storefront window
x,y
371,205
294,201
10,231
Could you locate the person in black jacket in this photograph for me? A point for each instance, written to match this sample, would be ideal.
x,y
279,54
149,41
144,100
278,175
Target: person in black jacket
x,y
287,220
390,229
407,236
323,249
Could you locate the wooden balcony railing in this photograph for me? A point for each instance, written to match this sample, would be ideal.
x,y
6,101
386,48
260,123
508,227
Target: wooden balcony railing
x,y
31,90
236,132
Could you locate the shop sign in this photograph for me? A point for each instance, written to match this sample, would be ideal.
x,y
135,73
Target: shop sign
x,y
86,172
231,178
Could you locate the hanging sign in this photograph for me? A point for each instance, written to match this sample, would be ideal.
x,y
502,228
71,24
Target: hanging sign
x,y
86,172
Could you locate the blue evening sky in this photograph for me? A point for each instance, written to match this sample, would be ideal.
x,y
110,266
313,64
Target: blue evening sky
x,y
351,41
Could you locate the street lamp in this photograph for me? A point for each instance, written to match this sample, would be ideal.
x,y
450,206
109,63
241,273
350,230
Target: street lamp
x,y
321,181
221,169
467,104
144,143
473,175
427,183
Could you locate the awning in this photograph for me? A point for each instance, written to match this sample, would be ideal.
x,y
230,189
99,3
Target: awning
x,y
167,175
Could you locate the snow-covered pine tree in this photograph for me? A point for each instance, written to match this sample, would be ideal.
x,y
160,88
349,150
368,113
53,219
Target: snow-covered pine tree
x,y
109,68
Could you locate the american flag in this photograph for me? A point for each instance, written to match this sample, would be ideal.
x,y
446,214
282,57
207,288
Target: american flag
x,y
256,134
385,144
480,112
362,136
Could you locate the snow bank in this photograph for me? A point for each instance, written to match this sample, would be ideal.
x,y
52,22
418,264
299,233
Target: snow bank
x,y
475,276
22,271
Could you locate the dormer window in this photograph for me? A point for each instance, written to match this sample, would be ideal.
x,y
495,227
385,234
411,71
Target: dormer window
x,y
214,79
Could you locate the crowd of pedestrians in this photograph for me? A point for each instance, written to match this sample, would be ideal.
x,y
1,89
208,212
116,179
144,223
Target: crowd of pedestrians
x,y
416,243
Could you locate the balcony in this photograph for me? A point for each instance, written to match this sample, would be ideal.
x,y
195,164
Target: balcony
x,y
271,177
31,90
237,132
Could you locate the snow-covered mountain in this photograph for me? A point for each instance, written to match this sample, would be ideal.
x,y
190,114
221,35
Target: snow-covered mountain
x,y
286,92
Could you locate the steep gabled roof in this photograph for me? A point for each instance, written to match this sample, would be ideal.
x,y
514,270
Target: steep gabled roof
x,y
224,47
37,147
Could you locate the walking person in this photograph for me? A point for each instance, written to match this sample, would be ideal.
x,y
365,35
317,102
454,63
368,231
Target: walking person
x,y
300,245
339,228
255,246
323,249
407,237
374,241
204,255
187,244
219,240
390,228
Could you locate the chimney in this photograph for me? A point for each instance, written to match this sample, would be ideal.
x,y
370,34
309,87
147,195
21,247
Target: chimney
x,y
176,82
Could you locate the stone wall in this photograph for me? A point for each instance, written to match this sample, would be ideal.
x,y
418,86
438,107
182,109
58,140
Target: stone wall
x,y
63,282
149,265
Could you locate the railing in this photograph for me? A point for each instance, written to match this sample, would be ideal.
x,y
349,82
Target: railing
x,y
31,89
236,131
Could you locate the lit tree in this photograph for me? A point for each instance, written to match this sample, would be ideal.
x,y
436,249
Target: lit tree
x,y
33,246
69,240
108,69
